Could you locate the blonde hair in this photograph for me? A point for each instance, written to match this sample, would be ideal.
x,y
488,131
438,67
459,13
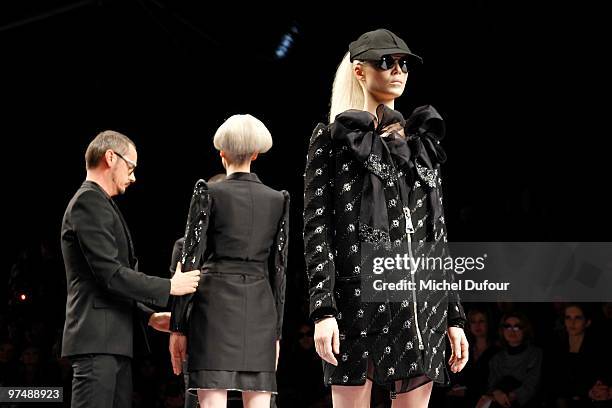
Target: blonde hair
x,y
347,92
240,136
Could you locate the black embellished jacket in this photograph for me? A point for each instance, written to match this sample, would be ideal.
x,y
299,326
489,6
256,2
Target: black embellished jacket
x,y
366,184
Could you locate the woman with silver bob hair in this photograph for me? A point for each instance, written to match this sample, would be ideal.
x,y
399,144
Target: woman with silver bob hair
x,y
372,180
237,234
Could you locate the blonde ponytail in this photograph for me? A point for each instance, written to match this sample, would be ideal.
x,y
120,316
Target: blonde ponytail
x,y
347,93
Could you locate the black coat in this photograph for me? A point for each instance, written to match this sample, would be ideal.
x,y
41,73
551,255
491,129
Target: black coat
x,y
357,188
237,233
104,287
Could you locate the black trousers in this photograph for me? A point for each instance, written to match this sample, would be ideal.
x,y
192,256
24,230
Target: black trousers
x,y
101,381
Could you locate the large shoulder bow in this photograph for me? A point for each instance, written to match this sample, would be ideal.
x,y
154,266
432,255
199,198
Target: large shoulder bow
x,y
387,145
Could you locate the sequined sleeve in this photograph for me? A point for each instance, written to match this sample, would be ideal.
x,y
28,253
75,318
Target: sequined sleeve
x,y
194,247
278,265
318,223
456,314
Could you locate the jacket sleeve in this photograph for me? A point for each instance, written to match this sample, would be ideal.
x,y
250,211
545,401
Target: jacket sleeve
x,y
318,223
278,264
194,247
455,314
93,221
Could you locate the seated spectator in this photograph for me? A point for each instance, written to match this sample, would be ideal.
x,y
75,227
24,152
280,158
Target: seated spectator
x,y
515,371
8,363
30,371
472,382
300,372
573,365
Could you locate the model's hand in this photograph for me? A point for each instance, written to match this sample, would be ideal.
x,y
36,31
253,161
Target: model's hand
x,y
393,128
183,283
501,398
160,321
459,347
277,353
327,339
178,351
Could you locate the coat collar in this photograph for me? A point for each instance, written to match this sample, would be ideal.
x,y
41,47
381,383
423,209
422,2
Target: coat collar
x,y
95,186
243,176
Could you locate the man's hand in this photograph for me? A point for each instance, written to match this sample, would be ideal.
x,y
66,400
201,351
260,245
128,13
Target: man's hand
x,y
459,346
178,351
183,283
160,321
327,339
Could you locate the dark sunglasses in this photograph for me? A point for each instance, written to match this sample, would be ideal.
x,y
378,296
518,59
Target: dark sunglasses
x,y
512,327
386,62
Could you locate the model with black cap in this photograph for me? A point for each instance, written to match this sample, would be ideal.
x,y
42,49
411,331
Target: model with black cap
x,y
372,180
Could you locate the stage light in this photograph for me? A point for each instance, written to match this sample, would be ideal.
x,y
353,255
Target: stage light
x,y
286,42
23,297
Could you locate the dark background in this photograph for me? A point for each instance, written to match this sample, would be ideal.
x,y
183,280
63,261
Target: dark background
x,y
517,85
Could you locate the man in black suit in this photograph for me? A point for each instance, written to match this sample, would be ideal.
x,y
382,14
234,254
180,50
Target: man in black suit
x,y
105,290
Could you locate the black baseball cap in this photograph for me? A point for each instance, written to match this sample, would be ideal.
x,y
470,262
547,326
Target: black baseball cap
x,y
373,45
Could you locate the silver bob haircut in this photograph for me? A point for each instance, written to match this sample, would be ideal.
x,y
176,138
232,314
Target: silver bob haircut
x,y
240,136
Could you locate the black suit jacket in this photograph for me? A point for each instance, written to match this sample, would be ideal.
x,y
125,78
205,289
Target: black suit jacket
x,y
103,285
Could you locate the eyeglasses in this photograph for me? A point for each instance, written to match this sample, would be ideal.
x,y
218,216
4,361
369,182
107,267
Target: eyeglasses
x,y
512,327
131,165
386,62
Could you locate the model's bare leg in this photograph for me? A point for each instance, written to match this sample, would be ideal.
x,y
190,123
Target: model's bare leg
x,y
353,396
417,398
254,399
212,398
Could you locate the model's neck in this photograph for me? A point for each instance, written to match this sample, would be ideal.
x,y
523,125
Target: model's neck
x,y
242,168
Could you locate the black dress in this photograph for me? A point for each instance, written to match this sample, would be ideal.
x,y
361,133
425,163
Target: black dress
x,y
237,233
364,188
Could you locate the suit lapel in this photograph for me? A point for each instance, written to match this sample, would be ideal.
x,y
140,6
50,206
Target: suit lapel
x,y
126,231
128,236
